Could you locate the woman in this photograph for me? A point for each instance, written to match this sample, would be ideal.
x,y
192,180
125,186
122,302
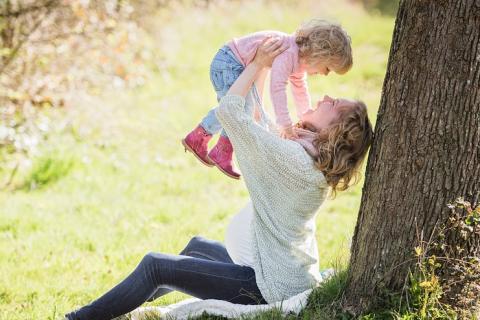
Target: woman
x,y
271,251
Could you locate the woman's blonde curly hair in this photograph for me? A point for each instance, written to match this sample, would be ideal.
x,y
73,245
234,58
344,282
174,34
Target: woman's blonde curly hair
x,y
343,146
319,40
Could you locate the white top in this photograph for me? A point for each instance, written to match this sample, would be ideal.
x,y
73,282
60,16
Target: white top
x,y
238,238
286,190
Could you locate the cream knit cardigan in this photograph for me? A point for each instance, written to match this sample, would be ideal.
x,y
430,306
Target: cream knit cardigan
x,y
286,191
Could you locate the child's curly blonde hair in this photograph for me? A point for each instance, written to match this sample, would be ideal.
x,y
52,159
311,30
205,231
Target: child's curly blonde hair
x,y
343,146
321,40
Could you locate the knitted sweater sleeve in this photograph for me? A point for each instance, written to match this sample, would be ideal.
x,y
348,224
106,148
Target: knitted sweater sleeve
x,y
260,150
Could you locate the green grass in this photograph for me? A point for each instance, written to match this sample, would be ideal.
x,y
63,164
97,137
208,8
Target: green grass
x,y
133,189
46,170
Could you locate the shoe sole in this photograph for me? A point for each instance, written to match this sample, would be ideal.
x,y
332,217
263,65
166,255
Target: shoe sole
x,y
223,171
187,148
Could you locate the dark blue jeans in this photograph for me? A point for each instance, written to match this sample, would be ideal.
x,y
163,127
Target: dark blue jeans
x,y
203,270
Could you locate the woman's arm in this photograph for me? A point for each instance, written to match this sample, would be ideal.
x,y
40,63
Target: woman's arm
x,y
264,57
232,114
257,149
260,84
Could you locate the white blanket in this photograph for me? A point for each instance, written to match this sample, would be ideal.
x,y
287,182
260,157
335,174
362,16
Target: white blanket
x,y
195,307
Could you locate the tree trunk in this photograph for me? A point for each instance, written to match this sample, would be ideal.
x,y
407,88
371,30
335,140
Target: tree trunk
x,y
426,151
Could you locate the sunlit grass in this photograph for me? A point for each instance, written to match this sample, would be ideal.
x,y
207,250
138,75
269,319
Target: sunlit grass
x,y
133,189
46,170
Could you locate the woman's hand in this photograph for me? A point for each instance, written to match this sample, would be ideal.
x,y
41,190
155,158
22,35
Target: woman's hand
x,y
268,50
266,53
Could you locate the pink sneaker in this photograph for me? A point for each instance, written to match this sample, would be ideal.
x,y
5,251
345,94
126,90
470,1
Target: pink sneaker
x,y
221,156
197,143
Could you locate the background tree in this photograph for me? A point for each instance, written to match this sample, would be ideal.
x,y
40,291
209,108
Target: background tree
x,y
426,151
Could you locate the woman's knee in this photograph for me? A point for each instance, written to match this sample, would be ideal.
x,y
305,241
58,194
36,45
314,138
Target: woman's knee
x,y
158,261
193,243
153,258
157,266
148,259
196,239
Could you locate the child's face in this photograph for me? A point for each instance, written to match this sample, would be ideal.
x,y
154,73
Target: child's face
x,y
325,113
318,68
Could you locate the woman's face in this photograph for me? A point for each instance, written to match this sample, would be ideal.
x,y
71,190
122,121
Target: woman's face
x,y
326,111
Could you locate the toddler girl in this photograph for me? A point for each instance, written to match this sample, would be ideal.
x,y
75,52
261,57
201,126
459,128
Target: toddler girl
x,y
317,47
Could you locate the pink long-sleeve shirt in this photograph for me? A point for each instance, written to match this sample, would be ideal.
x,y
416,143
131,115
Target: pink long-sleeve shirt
x,y
285,68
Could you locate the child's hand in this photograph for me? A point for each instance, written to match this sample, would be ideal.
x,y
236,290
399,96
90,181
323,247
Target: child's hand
x,y
288,133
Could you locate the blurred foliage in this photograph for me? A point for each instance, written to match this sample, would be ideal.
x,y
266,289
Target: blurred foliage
x,y
388,7
52,49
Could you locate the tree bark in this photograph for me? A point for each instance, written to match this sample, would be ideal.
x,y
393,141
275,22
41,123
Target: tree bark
x,y
426,151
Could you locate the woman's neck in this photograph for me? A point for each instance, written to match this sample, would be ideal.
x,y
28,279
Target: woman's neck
x,y
306,139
